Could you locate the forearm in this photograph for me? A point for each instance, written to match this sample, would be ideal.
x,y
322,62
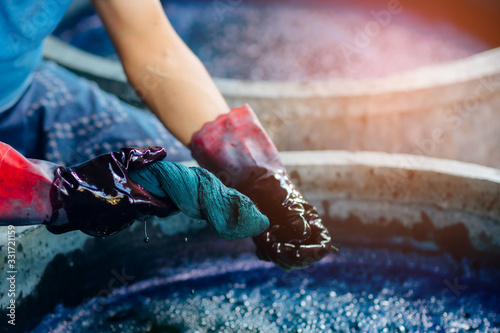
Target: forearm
x,y
169,78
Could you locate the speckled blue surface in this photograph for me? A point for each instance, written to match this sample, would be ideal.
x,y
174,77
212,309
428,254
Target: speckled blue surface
x,y
365,290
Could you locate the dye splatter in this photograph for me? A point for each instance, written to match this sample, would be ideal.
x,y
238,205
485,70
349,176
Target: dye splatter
x,y
365,290
277,40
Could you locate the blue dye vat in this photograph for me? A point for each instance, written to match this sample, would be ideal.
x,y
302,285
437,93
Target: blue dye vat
x,y
357,290
298,40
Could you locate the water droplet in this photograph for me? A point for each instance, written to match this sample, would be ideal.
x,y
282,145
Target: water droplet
x,y
185,239
146,238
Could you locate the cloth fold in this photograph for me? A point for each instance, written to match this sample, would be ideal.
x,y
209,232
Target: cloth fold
x,y
200,195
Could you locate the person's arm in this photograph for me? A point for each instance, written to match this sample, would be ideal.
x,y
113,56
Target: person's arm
x,y
231,144
96,197
169,78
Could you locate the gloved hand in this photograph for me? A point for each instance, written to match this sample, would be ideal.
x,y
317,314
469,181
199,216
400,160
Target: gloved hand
x,y
96,197
236,149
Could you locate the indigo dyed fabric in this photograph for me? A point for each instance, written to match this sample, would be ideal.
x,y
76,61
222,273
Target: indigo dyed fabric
x,y
200,195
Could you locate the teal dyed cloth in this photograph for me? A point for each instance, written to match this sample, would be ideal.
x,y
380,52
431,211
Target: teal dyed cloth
x,y
200,195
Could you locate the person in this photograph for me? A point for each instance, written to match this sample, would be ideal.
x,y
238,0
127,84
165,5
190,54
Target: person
x,y
51,118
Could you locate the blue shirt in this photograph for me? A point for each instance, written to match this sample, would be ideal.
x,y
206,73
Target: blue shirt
x,y
24,24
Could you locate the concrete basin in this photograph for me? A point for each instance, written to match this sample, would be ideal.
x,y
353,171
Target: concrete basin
x,y
409,161
373,200
444,110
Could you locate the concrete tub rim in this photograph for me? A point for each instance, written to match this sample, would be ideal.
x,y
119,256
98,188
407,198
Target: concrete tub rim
x,y
308,166
456,77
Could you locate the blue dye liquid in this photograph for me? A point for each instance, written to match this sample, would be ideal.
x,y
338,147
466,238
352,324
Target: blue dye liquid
x,y
357,290
297,40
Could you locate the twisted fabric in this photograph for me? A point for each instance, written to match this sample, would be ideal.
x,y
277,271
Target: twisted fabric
x,y
200,195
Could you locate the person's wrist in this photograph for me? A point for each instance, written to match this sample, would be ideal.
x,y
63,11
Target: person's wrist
x,y
235,148
60,197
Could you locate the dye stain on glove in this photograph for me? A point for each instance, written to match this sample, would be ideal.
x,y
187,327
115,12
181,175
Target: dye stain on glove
x,y
200,195
98,197
237,142
95,197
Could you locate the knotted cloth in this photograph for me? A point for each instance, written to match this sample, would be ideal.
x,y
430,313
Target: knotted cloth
x,y
200,195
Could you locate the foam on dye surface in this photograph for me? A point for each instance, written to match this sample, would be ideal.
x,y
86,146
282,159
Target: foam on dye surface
x,y
366,290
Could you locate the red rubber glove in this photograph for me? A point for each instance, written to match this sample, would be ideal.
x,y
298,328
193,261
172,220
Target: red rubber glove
x,y
236,149
96,197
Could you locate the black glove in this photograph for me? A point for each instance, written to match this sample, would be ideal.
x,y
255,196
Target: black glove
x,y
100,199
236,149
96,197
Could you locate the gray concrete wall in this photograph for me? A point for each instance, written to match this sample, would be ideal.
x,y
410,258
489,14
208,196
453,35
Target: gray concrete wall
x,y
447,111
452,204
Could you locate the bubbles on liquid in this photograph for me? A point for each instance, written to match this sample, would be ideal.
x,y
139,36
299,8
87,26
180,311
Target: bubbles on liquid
x,y
336,296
